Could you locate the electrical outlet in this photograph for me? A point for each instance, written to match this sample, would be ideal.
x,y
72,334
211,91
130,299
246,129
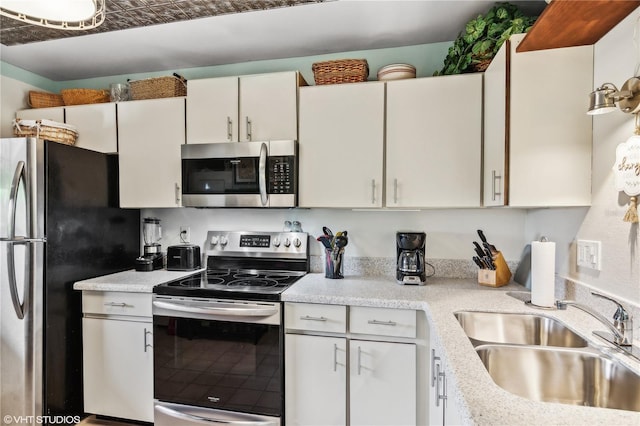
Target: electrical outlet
x,y
589,254
185,234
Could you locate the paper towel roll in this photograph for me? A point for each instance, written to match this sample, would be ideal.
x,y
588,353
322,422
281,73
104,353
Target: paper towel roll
x,y
543,269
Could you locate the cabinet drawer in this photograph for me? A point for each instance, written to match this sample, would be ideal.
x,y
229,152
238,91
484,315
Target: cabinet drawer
x,y
315,317
116,303
382,321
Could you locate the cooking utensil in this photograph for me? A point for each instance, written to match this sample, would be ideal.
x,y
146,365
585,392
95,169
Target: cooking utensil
x,y
327,232
479,262
479,250
325,240
484,240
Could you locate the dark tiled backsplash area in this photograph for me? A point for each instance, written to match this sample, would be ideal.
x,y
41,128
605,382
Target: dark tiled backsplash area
x,y
123,14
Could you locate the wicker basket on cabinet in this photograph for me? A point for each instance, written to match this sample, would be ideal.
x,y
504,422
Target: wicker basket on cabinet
x,y
340,71
158,87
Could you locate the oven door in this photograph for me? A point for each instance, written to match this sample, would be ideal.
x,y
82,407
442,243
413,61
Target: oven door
x,y
219,354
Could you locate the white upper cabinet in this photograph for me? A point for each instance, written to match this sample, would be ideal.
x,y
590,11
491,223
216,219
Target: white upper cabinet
x,y
341,145
269,106
253,107
150,133
212,110
434,142
96,124
535,112
53,114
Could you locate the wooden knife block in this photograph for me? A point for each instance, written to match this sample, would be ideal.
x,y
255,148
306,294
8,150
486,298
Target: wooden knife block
x,y
498,277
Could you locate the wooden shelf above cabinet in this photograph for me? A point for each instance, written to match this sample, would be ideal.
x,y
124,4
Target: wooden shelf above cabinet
x,y
566,23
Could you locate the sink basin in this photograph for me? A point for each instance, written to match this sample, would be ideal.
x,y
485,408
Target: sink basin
x,y
567,376
517,329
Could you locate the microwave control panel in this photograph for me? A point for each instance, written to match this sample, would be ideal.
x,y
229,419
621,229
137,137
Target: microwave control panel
x,y
282,172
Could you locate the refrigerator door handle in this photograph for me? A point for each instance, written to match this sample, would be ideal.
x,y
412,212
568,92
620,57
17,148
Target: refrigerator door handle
x,y
18,177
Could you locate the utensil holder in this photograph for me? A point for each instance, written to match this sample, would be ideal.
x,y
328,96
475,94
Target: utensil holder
x,y
333,265
498,277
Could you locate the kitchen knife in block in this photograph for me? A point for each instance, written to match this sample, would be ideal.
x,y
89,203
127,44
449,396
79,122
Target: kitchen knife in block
x,y
498,277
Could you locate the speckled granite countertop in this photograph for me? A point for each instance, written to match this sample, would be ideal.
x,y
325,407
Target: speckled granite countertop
x,y
479,399
132,281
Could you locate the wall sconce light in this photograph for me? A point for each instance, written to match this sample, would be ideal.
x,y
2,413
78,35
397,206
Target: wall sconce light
x,y
58,14
604,98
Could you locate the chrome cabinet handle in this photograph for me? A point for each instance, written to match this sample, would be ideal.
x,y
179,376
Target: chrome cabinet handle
x,y
308,318
377,322
442,397
373,191
229,129
434,359
437,394
335,357
359,360
146,345
262,174
177,190
118,305
395,191
248,127
495,177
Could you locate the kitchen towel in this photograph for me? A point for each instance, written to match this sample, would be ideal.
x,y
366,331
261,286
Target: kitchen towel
x,y
543,268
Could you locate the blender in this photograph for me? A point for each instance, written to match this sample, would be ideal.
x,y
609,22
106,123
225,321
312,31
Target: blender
x,y
152,257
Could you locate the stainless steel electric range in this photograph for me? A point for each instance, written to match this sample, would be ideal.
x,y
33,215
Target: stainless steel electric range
x,y
218,335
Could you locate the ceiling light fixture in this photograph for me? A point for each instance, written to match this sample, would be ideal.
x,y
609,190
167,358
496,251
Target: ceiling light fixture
x,y
58,14
605,98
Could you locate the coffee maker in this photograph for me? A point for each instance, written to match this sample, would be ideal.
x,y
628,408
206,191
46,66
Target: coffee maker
x,y
410,250
152,257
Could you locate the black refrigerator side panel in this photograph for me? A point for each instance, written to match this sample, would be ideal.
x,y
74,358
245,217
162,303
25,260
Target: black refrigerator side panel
x,y
87,236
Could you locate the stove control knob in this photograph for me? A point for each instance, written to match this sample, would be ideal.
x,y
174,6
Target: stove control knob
x,y
214,240
223,240
296,242
276,242
287,243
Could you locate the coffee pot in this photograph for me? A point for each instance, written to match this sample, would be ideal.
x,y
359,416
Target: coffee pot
x,y
410,249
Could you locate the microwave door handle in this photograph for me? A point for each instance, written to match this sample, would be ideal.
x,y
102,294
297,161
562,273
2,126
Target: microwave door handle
x,y
262,173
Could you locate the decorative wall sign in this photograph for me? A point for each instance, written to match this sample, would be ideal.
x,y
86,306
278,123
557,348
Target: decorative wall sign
x,y
627,173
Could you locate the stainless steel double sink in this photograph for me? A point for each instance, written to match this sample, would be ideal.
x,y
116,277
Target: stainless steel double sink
x,y
539,358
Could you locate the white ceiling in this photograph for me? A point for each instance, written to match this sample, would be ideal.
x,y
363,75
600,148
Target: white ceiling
x,y
305,30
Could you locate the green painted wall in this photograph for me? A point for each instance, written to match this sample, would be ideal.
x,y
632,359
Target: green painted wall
x,y
427,58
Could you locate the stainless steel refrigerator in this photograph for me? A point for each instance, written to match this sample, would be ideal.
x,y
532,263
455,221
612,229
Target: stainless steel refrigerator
x,y
59,223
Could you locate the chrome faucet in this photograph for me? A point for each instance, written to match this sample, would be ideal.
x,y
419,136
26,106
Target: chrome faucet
x,y
622,326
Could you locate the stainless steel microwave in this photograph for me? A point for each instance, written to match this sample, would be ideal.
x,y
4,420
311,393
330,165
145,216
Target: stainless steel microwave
x,y
242,174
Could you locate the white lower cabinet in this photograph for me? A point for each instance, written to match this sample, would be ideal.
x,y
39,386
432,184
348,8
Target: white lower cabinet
x,y
117,349
442,409
382,388
315,380
346,377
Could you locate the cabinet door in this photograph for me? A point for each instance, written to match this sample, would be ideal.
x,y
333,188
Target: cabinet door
x,y
315,380
341,145
550,140
212,110
382,383
434,141
495,129
268,106
96,124
150,133
118,368
54,114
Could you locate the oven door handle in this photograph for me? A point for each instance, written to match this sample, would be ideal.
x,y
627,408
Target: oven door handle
x,y
253,311
169,412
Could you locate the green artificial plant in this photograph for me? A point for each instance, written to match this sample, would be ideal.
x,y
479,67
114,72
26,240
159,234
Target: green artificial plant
x,y
483,36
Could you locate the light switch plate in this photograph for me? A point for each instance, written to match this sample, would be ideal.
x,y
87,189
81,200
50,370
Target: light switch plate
x,y
589,254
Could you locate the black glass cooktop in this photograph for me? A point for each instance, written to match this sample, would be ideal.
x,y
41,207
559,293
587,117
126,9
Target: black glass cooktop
x,y
232,284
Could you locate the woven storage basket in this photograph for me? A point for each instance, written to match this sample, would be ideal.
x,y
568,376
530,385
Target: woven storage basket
x,y
158,87
46,129
340,71
84,96
44,99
